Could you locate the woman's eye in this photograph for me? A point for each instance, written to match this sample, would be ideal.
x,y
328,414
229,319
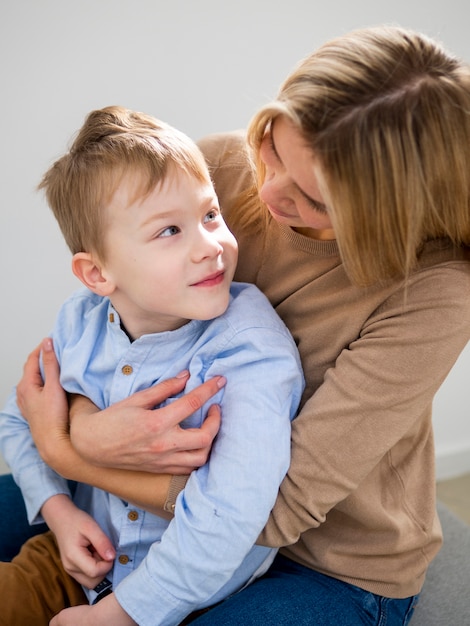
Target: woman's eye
x,y
169,231
319,208
268,151
271,146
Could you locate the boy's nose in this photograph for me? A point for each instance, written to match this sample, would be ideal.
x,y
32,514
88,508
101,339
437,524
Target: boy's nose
x,y
206,246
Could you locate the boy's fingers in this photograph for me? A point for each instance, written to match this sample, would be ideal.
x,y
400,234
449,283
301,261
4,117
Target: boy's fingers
x,y
103,547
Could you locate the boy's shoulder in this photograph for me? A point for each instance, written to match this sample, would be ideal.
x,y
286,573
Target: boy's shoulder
x,y
82,308
82,300
250,308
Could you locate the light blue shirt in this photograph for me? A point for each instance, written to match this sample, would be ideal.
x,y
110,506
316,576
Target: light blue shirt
x,y
165,570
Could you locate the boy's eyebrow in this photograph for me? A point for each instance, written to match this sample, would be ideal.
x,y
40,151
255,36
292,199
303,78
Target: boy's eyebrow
x,y
157,216
171,214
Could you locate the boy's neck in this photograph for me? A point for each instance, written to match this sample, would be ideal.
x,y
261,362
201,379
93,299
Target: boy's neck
x,y
136,328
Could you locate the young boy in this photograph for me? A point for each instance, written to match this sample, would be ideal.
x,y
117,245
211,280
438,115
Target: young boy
x,y
137,208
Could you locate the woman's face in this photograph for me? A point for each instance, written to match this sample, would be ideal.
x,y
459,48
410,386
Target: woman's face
x,y
290,189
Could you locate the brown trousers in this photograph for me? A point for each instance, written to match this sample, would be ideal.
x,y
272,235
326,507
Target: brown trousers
x,y
34,586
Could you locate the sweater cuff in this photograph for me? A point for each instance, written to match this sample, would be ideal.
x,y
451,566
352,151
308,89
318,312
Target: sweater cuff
x,y
177,485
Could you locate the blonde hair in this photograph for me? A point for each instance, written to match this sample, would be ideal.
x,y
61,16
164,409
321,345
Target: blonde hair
x,y
386,112
112,143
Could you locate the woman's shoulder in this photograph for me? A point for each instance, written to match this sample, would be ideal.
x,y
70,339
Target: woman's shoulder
x,y
229,165
225,149
448,264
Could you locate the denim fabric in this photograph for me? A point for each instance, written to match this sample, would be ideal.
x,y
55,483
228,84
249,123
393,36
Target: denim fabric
x,y
294,595
15,529
14,526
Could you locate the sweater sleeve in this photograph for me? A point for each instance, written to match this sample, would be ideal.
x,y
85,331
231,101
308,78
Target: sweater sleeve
x,y
375,401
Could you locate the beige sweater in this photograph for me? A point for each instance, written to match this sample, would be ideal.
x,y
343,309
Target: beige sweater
x,y
358,502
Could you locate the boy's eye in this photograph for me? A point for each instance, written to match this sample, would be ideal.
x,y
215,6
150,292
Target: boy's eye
x,y
211,216
169,231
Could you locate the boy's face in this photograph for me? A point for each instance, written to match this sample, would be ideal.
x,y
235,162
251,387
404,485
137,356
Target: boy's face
x,y
170,255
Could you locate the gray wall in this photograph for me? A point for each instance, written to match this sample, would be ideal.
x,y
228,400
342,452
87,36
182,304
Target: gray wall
x,y
203,66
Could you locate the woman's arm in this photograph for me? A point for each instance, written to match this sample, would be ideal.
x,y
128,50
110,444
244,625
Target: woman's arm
x,y
377,398
44,405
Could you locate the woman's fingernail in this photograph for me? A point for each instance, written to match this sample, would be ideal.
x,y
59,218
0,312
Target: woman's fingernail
x,y
221,381
183,374
47,344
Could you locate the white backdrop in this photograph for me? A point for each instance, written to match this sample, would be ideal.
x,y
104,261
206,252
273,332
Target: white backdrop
x,y
203,66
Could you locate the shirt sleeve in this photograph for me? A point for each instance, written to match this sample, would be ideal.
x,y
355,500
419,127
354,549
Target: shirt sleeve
x,y
37,481
226,503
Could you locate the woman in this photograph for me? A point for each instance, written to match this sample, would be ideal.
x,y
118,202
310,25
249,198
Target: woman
x,y
359,237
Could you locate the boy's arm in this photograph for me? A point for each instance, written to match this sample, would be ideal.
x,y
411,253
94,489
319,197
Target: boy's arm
x,y
107,611
225,504
37,481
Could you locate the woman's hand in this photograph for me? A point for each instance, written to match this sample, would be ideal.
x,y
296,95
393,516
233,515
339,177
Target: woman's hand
x,y
45,406
128,435
132,435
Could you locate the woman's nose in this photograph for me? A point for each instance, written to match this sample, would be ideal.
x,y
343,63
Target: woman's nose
x,y
274,190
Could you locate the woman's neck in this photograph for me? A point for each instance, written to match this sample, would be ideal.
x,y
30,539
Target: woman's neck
x,y
326,234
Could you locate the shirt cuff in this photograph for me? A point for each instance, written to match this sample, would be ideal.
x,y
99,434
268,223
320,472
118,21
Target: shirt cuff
x,y
177,484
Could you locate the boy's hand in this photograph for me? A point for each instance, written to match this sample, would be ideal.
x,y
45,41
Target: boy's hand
x,y
86,552
107,611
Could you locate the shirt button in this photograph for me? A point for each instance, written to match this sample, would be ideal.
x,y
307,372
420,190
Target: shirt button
x,y
123,559
133,516
127,370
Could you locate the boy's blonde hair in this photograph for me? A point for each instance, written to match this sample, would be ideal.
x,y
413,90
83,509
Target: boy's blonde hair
x,y
113,142
386,112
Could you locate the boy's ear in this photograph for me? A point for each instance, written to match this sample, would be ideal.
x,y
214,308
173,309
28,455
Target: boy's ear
x,y
89,271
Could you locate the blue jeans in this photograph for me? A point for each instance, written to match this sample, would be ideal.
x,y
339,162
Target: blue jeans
x,y
14,526
288,594
294,595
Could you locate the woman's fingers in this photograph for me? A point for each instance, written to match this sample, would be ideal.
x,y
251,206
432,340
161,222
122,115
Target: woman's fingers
x,y
185,406
180,409
31,373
